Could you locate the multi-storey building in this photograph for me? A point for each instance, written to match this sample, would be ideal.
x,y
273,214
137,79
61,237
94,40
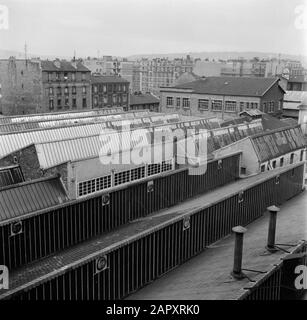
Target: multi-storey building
x,y
20,86
109,91
163,72
66,85
223,97
38,86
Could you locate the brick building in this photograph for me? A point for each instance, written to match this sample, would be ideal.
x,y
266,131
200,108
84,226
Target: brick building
x,y
20,86
110,91
66,86
223,97
39,86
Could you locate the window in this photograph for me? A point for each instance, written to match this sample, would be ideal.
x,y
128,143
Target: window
x,y
66,90
178,102
247,105
57,76
95,89
84,90
241,106
230,106
124,88
105,99
65,76
167,165
270,106
281,164
114,98
49,76
104,88
51,104
121,177
169,101
59,91
203,104
264,107
274,164
95,101
94,185
66,102
74,102
124,98
254,105
83,76
302,155
84,103
185,102
73,76
153,168
217,105
137,173
291,158
51,91
263,168
74,90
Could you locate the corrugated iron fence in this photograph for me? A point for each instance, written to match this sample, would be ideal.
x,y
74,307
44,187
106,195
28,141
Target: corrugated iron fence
x,y
140,261
57,229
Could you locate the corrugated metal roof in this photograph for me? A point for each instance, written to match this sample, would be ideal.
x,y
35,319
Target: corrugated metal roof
x,y
31,196
54,153
24,126
12,142
10,175
274,144
59,115
296,96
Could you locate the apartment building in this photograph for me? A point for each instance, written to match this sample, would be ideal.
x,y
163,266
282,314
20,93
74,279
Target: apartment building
x,y
66,86
110,91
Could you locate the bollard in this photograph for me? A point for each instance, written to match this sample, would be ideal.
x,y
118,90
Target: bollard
x,y
272,228
237,264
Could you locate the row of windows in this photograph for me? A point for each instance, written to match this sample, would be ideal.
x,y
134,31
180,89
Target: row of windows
x,y
216,105
273,164
115,99
67,103
270,106
105,182
66,76
66,90
109,88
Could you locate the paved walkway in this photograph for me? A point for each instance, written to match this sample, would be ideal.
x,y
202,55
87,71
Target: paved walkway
x,y
207,276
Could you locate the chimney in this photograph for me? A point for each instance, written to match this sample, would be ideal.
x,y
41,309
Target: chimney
x,y
272,228
238,251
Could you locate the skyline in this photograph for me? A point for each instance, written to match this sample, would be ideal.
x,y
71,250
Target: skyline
x,y
135,27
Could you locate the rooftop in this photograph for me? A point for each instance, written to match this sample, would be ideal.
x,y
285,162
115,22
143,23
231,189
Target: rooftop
x,y
63,65
108,79
238,86
143,98
46,268
26,197
207,276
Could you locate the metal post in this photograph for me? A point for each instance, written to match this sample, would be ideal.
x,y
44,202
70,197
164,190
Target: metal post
x,y
272,228
237,264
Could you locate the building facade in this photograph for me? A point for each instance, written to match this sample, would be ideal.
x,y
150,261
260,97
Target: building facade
x,y
110,91
66,86
223,97
21,89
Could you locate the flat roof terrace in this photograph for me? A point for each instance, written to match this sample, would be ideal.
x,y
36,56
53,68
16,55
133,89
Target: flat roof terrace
x,y
207,276
57,264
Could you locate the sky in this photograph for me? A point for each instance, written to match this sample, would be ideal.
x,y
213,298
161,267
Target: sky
x,y
127,27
